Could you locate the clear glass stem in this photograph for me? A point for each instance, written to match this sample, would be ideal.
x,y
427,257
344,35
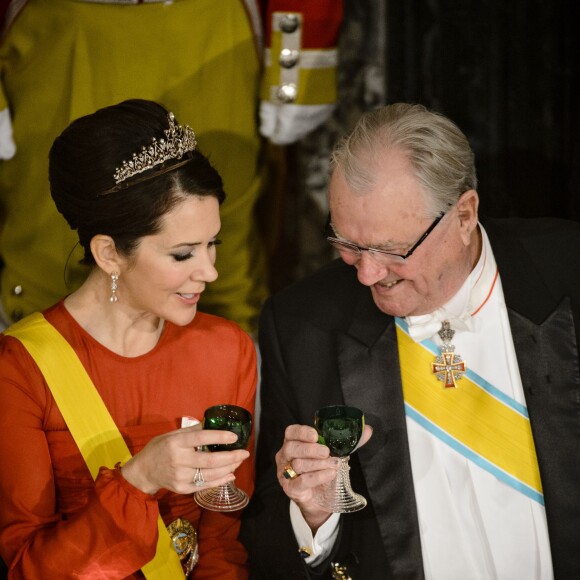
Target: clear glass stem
x,y
338,496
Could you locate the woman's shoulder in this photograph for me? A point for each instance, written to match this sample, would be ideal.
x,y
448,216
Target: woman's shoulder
x,y
18,370
10,343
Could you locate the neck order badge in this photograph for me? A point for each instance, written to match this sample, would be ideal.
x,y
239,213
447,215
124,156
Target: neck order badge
x,y
477,420
448,366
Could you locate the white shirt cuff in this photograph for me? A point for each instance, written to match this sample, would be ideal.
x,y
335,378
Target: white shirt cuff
x,y
286,124
319,545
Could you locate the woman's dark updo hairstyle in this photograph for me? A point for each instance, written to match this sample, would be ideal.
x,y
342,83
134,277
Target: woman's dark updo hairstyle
x,y
83,160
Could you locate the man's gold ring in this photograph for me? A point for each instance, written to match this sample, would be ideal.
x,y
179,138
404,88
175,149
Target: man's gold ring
x,y
289,472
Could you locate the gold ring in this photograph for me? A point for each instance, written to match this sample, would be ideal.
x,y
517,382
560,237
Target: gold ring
x,y
289,472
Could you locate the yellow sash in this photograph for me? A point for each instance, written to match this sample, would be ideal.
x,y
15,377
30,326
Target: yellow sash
x,y
94,431
476,419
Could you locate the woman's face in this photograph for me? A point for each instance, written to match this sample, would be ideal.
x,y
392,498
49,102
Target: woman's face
x,y
169,270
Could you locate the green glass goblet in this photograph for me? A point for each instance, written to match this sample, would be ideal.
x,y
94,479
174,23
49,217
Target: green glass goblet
x,y
340,428
226,497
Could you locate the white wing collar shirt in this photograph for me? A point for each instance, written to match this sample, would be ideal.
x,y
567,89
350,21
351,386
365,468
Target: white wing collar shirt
x,y
472,525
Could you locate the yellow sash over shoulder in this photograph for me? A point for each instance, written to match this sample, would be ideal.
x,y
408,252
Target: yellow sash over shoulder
x,y
95,433
477,420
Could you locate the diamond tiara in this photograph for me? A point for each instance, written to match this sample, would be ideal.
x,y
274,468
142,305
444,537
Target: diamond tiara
x,y
178,141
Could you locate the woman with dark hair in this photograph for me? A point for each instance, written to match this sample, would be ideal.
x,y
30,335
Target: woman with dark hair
x,y
145,205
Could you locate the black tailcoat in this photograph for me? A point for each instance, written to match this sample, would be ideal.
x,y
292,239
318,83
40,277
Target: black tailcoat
x,y
323,341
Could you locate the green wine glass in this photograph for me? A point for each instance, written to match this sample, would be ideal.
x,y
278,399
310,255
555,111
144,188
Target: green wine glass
x,y
226,497
340,428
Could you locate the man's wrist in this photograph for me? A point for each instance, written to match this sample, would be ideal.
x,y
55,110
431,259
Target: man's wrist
x,y
314,547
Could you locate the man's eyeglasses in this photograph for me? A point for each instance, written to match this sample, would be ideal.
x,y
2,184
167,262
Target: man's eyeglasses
x,y
356,251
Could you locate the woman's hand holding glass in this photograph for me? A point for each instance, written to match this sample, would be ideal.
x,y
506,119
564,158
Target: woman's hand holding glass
x,y
172,460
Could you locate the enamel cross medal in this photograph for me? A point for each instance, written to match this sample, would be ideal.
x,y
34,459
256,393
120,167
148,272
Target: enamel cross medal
x,y
448,367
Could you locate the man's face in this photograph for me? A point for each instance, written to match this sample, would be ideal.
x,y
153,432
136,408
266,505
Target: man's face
x,y
392,217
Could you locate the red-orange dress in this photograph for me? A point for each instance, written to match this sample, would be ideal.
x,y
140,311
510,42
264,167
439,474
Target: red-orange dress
x,y
55,521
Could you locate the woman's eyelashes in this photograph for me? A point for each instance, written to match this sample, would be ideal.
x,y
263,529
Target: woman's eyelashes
x,y
192,253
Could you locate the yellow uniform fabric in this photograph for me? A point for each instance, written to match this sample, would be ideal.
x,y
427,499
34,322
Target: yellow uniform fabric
x,y
61,59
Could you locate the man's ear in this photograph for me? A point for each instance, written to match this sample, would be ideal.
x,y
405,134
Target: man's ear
x,y
105,253
467,210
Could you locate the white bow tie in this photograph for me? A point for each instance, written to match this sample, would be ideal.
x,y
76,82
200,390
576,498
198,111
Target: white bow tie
x,y
427,325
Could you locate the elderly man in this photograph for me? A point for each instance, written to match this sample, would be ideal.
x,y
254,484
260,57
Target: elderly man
x,y
459,340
